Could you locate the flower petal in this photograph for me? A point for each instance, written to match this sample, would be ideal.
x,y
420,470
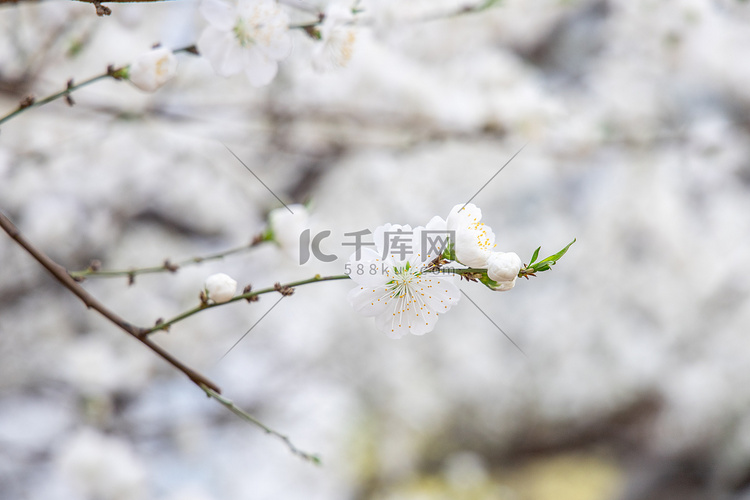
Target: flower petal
x,y
259,69
428,243
369,270
369,301
405,317
278,47
474,244
248,9
463,216
503,266
219,14
232,61
221,50
437,223
387,236
440,293
504,286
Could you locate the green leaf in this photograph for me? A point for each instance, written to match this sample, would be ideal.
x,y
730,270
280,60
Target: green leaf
x,y
552,259
534,256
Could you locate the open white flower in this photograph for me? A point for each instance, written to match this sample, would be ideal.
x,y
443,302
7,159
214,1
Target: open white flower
x,y
338,36
220,287
396,290
503,267
474,240
153,69
249,36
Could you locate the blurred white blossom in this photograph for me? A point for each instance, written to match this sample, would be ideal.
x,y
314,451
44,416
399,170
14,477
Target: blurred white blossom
x,y
95,367
395,290
287,226
220,287
338,36
249,36
102,467
153,69
503,267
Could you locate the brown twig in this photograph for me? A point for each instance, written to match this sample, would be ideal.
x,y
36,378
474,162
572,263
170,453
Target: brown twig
x,y
61,275
95,271
30,102
85,1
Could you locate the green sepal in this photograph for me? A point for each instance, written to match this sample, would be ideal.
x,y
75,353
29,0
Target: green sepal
x,y
450,251
120,74
489,282
481,276
267,234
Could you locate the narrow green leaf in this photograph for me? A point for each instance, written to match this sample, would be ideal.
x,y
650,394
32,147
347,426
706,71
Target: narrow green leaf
x,y
552,259
533,257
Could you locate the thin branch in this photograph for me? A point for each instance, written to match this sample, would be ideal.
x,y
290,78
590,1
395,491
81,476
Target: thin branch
x,y
211,389
84,1
61,275
93,271
123,1
228,403
112,72
286,289
466,9
101,10
29,103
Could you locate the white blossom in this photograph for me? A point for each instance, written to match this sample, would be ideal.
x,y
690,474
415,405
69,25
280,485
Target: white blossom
x,y
286,227
220,287
338,35
249,36
153,69
474,240
503,267
96,368
101,466
397,290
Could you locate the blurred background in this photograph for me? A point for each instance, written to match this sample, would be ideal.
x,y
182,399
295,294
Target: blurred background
x,y
634,116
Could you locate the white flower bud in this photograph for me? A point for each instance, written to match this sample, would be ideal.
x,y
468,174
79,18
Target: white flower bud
x,y
474,244
503,267
153,69
220,287
504,286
